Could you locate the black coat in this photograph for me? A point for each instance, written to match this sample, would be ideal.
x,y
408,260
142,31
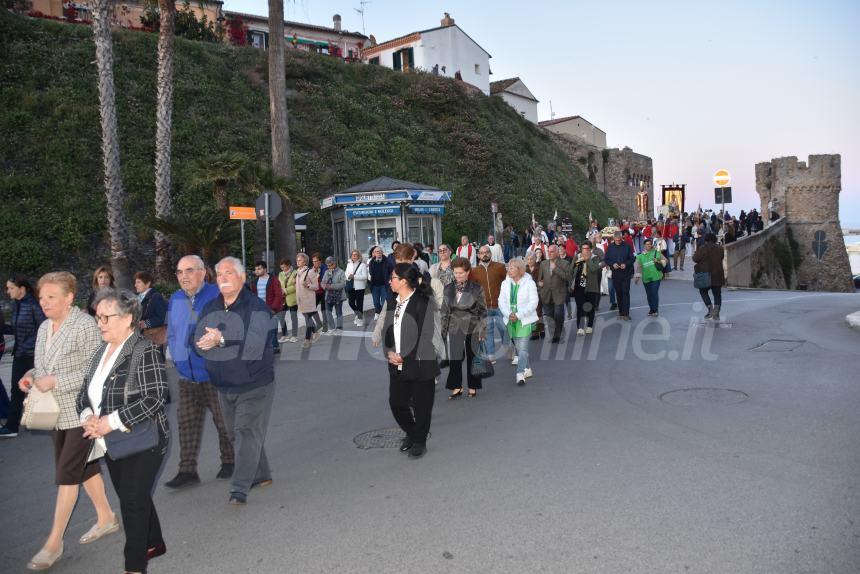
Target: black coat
x,y
153,310
417,333
467,317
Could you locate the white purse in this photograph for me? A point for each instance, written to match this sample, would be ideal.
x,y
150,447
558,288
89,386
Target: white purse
x,y
41,411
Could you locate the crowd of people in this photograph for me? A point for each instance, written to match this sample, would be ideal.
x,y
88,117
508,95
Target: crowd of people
x,y
458,308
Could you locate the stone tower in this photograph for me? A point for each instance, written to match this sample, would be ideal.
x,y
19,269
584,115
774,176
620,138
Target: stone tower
x,y
807,195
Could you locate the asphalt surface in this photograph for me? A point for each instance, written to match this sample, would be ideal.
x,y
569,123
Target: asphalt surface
x,y
586,469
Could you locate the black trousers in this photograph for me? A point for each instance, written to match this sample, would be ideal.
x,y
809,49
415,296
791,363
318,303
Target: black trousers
x,y
556,311
133,479
621,282
356,301
586,305
321,304
20,366
718,295
414,421
462,347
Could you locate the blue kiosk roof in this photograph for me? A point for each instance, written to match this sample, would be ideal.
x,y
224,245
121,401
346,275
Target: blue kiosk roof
x,y
386,190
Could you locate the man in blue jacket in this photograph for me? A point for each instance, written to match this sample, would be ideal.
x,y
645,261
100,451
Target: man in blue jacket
x,y
196,393
619,258
235,334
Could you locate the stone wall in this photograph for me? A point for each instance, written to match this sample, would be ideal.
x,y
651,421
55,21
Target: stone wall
x,y
614,172
762,259
807,195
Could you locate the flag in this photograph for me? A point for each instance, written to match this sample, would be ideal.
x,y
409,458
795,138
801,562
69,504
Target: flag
x,y
534,221
555,215
590,219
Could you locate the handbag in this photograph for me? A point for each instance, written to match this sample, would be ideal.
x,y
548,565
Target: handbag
x,y
41,411
702,280
158,335
142,436
481,365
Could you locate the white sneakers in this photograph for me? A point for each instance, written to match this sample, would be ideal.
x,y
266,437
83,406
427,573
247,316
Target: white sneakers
x,y
336,332
375,316
580,332
358,321
284,339
528,373
589,330
521,379
515,360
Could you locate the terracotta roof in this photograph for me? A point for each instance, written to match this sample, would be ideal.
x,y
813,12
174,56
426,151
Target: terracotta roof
x,y
502,85
561,120
288,24
408,39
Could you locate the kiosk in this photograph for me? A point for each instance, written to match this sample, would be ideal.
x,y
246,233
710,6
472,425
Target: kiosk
x,y
382,211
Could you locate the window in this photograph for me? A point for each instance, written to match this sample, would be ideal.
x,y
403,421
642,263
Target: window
x,y
374,61
404,59
478,69
257,39
420,230
372,231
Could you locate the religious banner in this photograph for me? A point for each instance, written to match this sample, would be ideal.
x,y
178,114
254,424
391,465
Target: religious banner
x,y
673,197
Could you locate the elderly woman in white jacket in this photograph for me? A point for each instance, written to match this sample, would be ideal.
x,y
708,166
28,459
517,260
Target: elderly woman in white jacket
x,y
518,303
356,282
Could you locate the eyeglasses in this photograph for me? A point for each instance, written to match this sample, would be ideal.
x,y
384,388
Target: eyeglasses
x,y
103,319
395,277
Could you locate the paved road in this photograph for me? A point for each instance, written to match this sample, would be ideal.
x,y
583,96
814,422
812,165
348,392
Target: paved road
x,y
584,470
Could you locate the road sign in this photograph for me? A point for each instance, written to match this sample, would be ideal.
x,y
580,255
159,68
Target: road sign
x,y
722,178
494,207
242,212
722,195
275,206
819,246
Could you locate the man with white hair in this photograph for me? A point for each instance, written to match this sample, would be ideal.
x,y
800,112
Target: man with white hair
x,y
196,392
235,334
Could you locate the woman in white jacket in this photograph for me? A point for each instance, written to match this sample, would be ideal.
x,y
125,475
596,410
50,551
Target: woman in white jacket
x,y
356,282
518,303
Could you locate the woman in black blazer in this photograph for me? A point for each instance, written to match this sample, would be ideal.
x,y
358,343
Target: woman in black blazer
x,y
412,345
464,315
124,388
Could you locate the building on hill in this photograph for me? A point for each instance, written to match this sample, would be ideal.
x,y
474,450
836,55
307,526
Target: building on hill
x,y
578,127
515,93
333,41
125,14
445,50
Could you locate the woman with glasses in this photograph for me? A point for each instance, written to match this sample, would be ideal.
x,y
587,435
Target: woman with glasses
x,y
464,320
443,270
411,348
64,344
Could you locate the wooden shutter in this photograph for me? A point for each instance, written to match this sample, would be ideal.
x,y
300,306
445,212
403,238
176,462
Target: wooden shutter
x,y
397,64
411,53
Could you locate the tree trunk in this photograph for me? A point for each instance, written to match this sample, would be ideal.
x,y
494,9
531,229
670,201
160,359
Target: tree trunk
x,y
164,125
114,192
221,196
284,236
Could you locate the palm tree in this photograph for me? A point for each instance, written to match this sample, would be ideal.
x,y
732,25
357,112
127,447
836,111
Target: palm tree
x,y
163,129
285,225
207,233
114,192
220,171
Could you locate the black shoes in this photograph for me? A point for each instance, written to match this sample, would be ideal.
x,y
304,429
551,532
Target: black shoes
x,y
226,471
405,445
237,499
183,479
613,307
556,340
417,451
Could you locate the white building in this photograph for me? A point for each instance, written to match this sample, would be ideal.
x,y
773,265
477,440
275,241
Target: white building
x,y
518,96
579,127
446,51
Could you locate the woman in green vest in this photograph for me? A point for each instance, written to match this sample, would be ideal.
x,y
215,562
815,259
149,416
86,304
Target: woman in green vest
x,y
518,303
649,266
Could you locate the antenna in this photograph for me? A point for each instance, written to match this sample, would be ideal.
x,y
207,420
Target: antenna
x,y
363,3
551,113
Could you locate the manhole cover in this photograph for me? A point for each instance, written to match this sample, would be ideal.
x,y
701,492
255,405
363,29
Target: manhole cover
x,y
380,438
777,346
703,396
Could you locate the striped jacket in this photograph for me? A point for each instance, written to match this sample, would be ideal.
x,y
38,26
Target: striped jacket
x,y
72,346
148,395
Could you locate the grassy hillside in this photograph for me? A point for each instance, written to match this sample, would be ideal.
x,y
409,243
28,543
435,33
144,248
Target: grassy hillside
x,y
349,123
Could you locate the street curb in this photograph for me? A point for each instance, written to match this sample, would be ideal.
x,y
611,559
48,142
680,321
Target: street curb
x,y
853,320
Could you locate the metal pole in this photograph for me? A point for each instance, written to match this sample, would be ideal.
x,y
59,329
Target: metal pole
x,y
242,227
268,263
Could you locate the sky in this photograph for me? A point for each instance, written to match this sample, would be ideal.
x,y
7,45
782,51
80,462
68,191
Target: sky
x,y
695,85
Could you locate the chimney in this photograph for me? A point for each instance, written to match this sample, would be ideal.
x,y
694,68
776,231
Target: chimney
x,y
447,20
336,22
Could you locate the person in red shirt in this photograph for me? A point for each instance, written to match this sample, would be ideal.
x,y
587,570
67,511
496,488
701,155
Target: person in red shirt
x,y
570,247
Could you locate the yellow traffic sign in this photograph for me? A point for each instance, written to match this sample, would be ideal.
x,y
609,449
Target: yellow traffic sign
x,y
722,178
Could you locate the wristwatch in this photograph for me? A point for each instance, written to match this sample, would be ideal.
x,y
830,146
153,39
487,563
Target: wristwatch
x,y
221,343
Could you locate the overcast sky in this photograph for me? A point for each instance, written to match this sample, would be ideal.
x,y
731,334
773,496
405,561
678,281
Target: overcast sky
x,y
695,85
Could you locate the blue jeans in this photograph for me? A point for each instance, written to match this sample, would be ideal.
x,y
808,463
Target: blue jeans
x,y
652,292
379,294
508,251
338,311
522,346
494,324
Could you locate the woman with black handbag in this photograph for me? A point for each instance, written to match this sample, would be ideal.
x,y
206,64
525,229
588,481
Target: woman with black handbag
x,y
464,320
121,407
709,274
649,267
586,288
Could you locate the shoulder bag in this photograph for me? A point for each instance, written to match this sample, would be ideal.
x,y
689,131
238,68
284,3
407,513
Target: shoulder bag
x,y
702,280
142,436
481,365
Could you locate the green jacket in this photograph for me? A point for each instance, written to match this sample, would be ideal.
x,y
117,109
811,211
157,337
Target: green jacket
x,y
288,284
645,262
